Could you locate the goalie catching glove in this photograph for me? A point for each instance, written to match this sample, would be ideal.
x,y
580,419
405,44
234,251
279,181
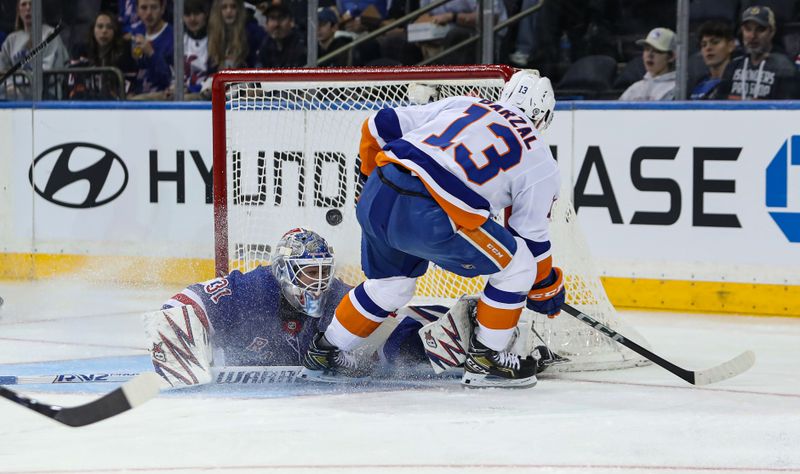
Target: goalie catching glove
x,y
179,344
547,296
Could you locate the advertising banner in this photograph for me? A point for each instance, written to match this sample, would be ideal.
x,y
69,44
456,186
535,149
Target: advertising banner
x,y
699,194
117,182
662,193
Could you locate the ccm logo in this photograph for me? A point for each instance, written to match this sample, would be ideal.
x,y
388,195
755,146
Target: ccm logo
x,y
495,250
78,175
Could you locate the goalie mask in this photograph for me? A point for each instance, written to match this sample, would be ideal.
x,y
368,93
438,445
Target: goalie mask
x,y
533,95
303,265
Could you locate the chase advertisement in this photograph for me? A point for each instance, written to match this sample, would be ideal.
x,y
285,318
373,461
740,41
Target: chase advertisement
x,y
714,194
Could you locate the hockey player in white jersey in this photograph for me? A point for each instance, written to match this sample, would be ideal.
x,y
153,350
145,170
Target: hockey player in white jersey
x,y
437,173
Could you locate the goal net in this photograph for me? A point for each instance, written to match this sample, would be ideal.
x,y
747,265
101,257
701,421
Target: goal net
x,y
286,155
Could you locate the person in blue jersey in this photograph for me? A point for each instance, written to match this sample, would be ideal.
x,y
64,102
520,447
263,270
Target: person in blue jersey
x,y
151,47
437,173
128,16
267,317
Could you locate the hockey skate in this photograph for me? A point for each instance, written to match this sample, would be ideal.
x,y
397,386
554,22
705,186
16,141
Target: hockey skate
x,y
326,363
485,367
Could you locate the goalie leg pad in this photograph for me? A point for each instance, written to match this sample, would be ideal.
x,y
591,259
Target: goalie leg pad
x,y
446,340
180,346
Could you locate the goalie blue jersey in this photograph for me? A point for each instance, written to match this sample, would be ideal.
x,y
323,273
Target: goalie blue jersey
x,y
253,324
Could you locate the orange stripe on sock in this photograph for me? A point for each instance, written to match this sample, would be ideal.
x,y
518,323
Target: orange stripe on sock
x,y
492,247
496,318
355,322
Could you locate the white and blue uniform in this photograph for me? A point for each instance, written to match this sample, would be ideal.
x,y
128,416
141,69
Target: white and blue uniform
x,y
195,62
437,173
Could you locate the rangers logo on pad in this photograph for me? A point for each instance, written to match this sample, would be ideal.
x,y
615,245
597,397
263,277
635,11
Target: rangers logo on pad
x,y
429,340
158,352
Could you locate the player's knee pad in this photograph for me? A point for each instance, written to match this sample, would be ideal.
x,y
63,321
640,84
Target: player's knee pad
x,y
391,293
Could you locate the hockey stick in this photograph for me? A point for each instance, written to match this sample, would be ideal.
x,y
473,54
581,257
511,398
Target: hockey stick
x,y
38,49
221,375
140,389
231,375
723,371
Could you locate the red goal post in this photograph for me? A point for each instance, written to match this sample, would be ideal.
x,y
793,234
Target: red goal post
x,y
286,155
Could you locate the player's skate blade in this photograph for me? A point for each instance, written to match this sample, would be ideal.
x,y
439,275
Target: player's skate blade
x,y
472,380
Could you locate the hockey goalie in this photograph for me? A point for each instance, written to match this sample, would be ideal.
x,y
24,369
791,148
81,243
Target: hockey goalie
x,y
268,317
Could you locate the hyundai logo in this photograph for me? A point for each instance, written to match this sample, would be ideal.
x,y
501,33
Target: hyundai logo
x,y
78,175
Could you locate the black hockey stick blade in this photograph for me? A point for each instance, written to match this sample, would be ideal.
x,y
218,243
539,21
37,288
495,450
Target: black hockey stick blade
x,y
38,49
138,390
726,370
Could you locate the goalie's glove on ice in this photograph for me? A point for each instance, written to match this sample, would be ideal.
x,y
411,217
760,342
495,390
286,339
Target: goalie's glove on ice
x,y
547,296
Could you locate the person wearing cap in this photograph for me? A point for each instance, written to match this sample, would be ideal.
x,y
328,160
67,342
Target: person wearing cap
x,y
658,54
761,73
328,40
284,45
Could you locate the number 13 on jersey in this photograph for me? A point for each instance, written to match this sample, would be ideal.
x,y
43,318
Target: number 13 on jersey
x,y
494,160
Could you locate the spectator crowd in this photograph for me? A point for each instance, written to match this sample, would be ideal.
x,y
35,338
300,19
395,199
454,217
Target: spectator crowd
x,y
591,49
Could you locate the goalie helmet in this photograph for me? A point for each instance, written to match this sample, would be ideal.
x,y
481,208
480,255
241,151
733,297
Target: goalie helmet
x,y
533,95
303,265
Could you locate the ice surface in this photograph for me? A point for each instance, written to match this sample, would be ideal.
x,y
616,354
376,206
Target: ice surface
x,y
632,421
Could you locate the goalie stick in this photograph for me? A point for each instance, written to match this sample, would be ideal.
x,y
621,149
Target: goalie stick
x,y
38,49
140,389
220,375
718,373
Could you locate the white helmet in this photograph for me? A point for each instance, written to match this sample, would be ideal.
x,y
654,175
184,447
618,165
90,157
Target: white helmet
x,y
533,95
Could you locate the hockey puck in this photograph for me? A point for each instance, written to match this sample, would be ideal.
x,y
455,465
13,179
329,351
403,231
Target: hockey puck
x,y
1,301
334,217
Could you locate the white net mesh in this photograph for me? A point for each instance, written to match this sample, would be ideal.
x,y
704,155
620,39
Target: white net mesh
x,y
292,161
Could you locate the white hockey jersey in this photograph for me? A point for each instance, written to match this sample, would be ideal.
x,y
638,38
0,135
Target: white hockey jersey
x,y
476,158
